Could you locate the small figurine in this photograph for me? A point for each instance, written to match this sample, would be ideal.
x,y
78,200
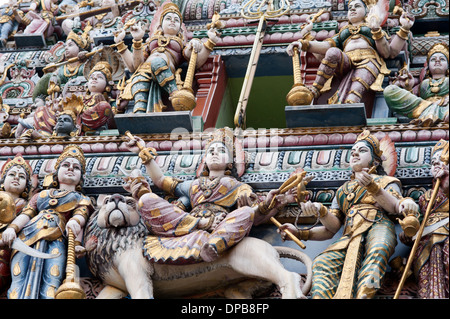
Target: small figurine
x,y
431,260
9,16
15,183
44,223
346,269
430,105
356,53
154,63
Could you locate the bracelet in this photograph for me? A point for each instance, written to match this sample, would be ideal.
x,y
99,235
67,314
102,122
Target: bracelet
x,y
304,234
121,47
263,208
77,243
305,44
323,211
373,188
403,33
137,44
15,227
377,34
209,45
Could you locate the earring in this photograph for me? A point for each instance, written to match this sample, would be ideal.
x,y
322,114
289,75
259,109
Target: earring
x,y
24,195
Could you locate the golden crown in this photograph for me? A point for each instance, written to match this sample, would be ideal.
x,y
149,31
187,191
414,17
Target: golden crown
x,y
438,48
72,151
103,67
372,141
366,2
18,160
169,7
82,40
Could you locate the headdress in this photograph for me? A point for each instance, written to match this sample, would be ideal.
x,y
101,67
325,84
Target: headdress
x,y
223,135
18,160
82,40
103,67
169,7
372,141
442,145
73,151
234,146
366,2
438,47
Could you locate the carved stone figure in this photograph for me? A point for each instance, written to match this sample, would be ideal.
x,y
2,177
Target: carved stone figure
x,y
354,265
426,104
356,54
114,240
43,224
431,259
15,182
212,213
154,64
10,15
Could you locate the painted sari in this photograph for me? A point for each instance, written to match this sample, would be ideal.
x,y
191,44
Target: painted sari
x,y
176,238
36,278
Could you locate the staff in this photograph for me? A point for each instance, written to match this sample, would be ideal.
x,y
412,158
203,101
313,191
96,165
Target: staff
x,y
444,158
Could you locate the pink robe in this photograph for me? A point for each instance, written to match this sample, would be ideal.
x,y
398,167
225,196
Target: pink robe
x,y
177,240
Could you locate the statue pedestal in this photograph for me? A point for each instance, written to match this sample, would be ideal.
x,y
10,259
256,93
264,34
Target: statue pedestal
x,y
325,115
29,40
149,123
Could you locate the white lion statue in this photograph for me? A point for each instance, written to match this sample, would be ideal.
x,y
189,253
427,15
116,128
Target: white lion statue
x,y
114,243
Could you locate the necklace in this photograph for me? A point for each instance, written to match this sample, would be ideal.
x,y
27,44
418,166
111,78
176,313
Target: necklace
x,y
207,186
435,85
69,72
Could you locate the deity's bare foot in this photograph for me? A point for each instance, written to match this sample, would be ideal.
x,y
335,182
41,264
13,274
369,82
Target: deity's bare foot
x,y
208,253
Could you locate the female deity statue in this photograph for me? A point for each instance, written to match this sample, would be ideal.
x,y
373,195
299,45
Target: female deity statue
x,y
429,105
431,260
154,64
43,225
356,53
212,213
355,264
15,182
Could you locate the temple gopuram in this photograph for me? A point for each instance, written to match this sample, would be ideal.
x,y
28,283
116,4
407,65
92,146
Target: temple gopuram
x,y
166,142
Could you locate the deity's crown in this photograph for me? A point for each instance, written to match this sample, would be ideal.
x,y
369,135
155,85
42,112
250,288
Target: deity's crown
x,y
18,160
81,39
105,68
368,3
372,141
72,151
169,7
438,48
223,135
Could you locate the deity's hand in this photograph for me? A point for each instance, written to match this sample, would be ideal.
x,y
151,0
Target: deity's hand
x,y
80,251
406,240
408,207
246,200
134,185
290,48
404,79
310,209
195,44
119,35
137,31
373,20
213,35
82,56
406,21
74,226
291,228
131,144
363,177
8,237
307,27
